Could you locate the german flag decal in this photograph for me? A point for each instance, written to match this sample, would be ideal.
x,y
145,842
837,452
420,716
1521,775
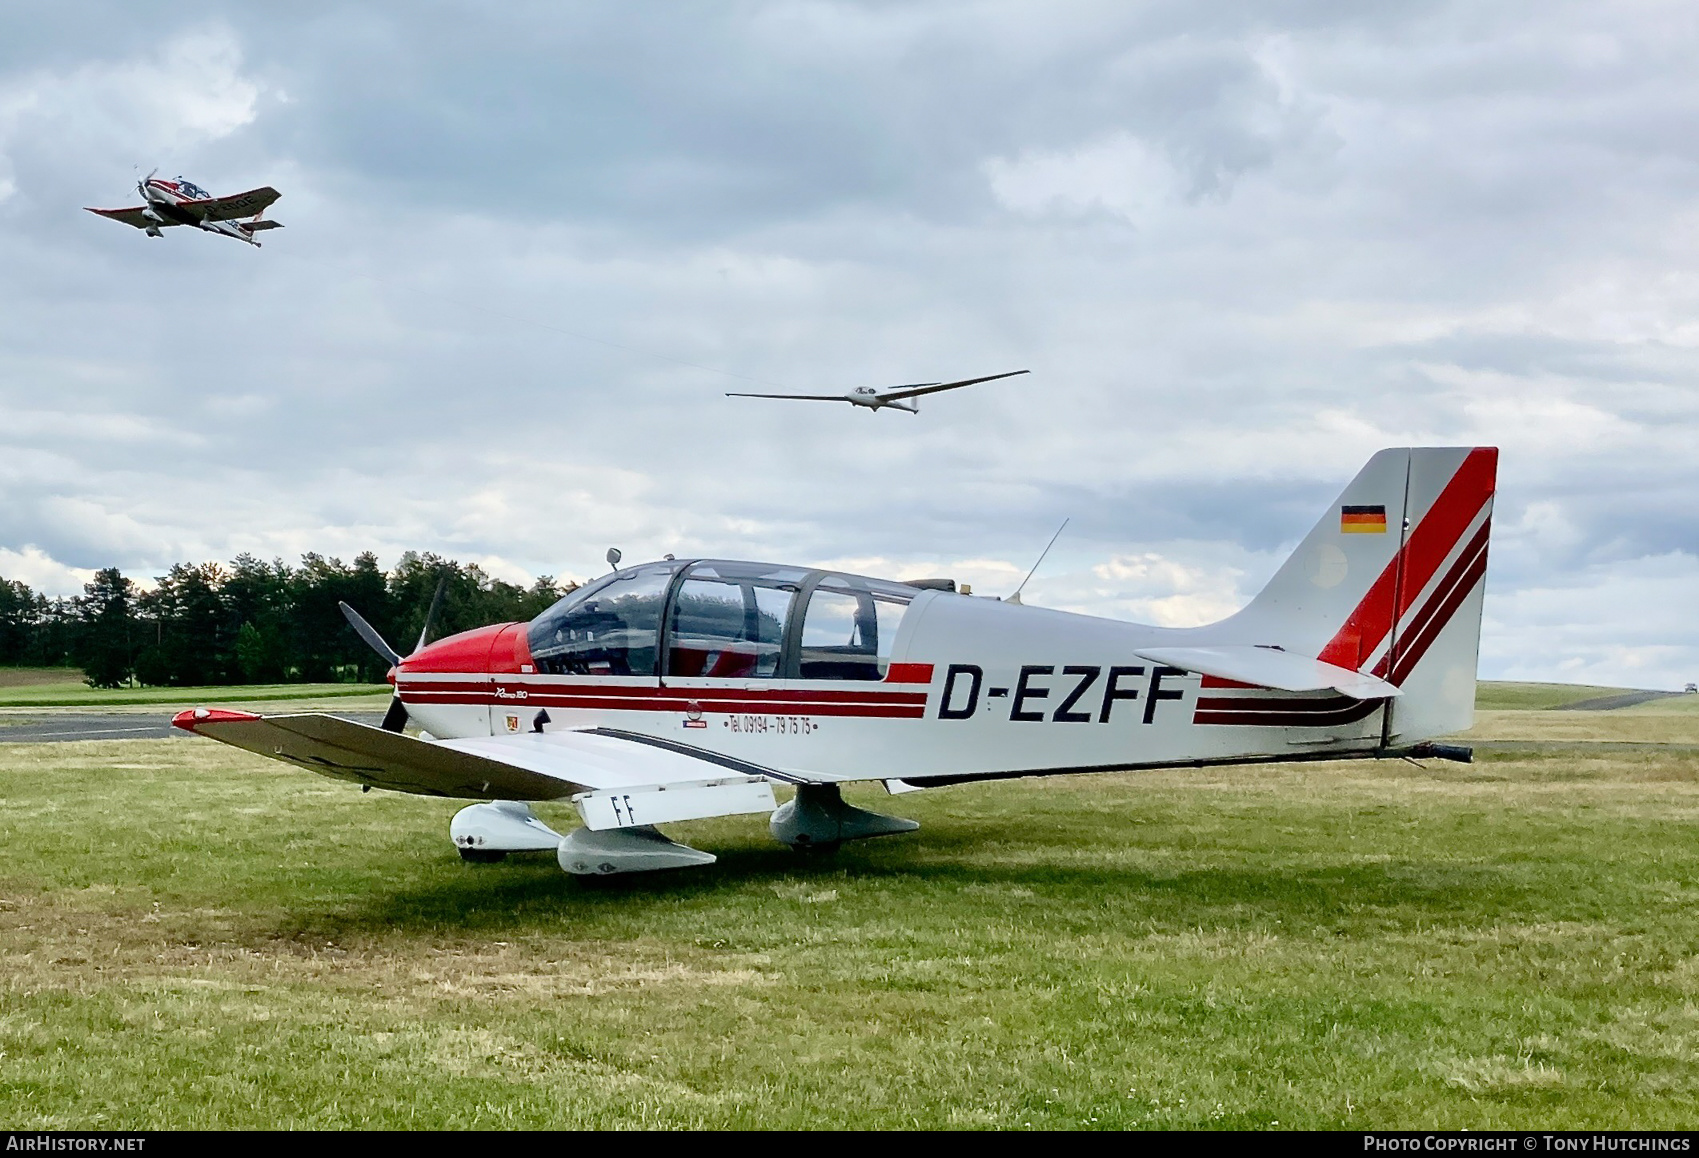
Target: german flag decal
x,y
1362,520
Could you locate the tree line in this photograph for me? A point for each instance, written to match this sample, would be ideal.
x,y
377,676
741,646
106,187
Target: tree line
x,y
253,622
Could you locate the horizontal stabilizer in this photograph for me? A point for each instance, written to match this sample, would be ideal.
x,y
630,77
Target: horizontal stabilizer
x,y
1267,667
256,226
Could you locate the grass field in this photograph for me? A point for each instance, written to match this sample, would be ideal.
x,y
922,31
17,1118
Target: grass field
x,y
1502,695
23,677
196,937
80,695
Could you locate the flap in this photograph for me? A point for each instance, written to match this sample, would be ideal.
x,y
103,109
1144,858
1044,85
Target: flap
x,y
605,758
667,803
1267,667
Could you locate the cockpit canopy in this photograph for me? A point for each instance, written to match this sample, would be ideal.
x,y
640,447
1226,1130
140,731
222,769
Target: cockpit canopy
x,y
189,189
723,620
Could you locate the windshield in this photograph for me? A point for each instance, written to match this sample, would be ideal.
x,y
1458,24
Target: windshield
x,y
189,189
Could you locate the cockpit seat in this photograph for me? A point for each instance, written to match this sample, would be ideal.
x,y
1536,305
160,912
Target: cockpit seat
x,y
718,659
839,663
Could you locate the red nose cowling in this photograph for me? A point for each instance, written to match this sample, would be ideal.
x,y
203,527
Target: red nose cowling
x,y
499,649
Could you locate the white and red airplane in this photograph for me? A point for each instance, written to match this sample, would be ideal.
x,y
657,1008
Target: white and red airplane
x,y
685,689
181,202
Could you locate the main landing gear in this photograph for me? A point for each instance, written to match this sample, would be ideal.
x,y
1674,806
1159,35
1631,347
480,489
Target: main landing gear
x,y
818,819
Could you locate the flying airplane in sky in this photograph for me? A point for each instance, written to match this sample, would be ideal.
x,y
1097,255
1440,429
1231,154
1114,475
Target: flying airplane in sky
x,y
890,398
181,202
684,689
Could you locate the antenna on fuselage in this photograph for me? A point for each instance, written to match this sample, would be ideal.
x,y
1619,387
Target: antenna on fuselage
x,y
1016,597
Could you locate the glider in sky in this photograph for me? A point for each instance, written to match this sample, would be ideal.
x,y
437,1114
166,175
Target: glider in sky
x,y
690,688
182,202
892,397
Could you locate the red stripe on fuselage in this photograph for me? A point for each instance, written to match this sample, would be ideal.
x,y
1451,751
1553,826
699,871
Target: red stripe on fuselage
x,y
1281,711
1273,704
705,702
593,697
492,689
1350,714
909,673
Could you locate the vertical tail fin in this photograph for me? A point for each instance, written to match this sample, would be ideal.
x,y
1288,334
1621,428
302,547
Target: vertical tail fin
x,y
1390,583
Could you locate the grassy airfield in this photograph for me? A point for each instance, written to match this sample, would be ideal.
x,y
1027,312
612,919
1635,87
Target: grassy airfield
x,y
193,937
46,687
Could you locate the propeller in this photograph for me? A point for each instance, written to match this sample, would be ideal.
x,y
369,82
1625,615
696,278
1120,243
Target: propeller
x,y
431,615
370,634
395,719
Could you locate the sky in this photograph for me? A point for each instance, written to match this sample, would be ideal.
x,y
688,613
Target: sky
x,y
528,247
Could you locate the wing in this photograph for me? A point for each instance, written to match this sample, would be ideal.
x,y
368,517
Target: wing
x,y
793,397
131,216
234,206
1264,667
368,755
934,387
668,780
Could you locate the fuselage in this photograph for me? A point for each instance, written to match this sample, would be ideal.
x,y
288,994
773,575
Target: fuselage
x,y
165,201
872,400
842,677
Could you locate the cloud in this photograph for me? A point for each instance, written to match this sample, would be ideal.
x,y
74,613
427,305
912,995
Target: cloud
x,y
1554,630
189,91
1121,174
41,573
1241,247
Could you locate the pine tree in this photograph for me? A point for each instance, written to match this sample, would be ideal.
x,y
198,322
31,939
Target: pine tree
x,y
17,621
107,629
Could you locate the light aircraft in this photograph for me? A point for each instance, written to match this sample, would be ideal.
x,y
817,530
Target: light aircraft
x,y
684,689
890,398
181,202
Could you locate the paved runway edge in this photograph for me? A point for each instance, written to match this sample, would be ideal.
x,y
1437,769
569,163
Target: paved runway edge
x,y
55,728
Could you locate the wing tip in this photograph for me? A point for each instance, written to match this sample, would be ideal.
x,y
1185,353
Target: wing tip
x,y
191,718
